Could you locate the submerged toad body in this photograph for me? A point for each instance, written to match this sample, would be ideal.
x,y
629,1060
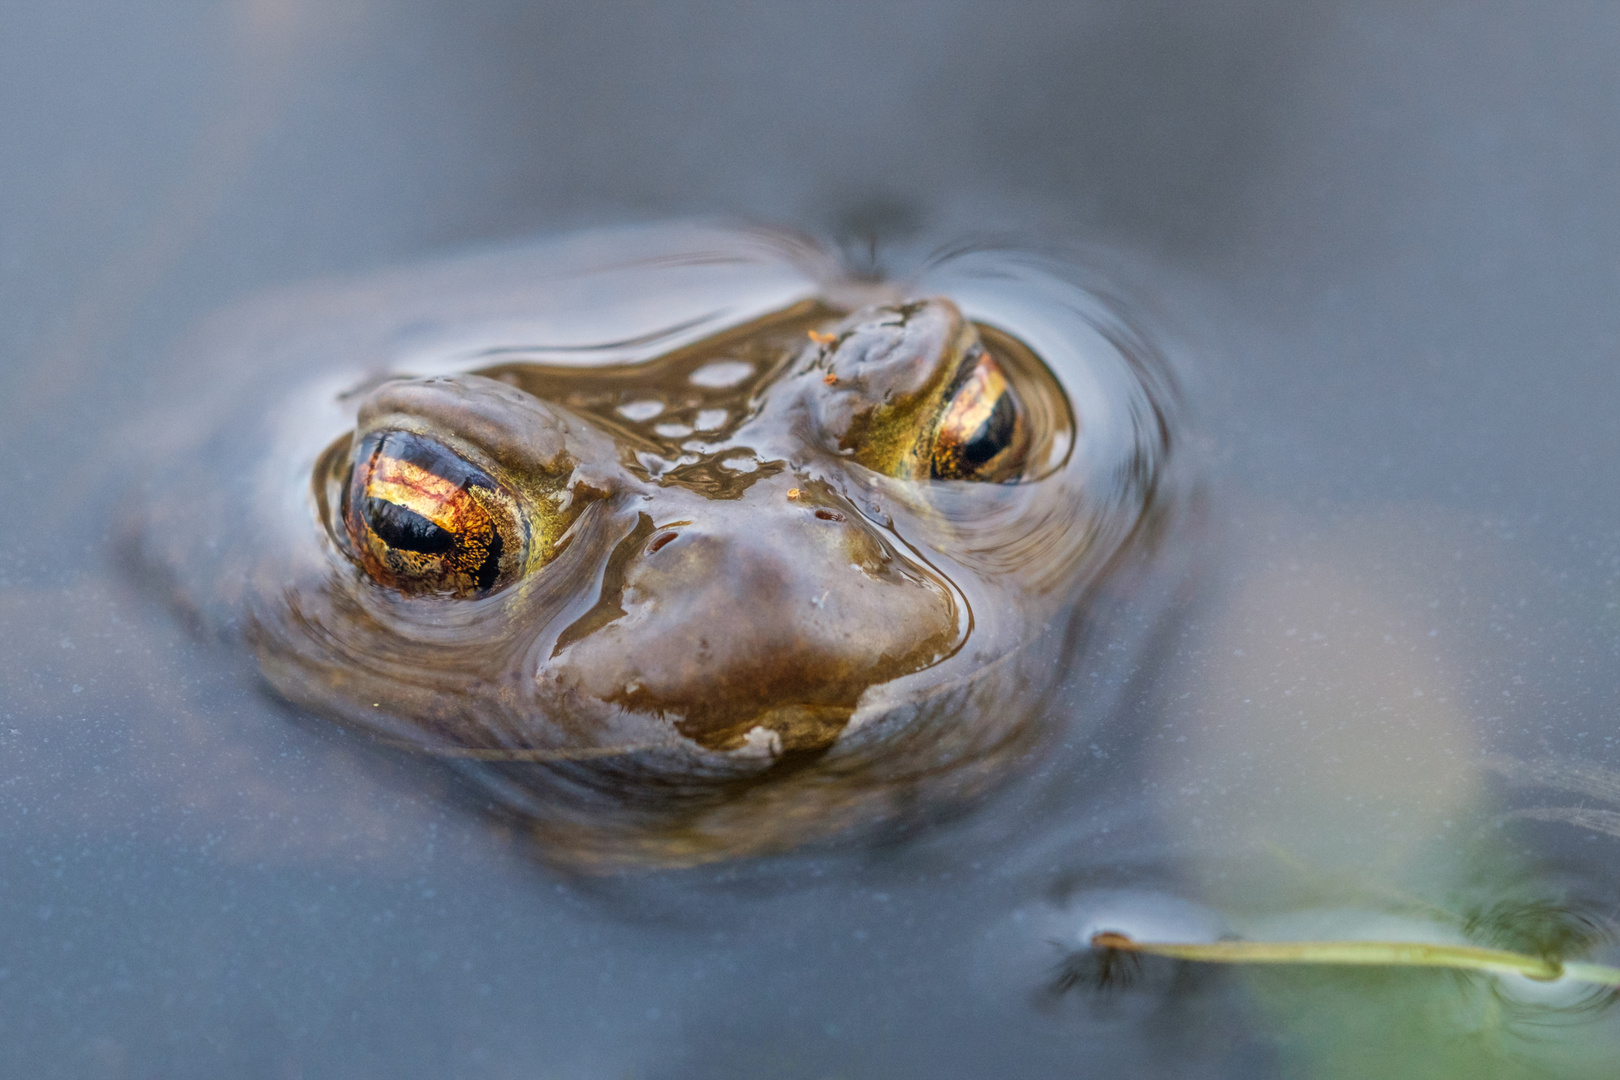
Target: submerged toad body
x,y
812,571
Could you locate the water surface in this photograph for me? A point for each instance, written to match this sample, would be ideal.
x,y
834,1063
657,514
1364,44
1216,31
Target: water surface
x,y
1371,676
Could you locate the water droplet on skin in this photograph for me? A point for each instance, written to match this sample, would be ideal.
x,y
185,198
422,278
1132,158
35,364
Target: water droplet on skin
x,y
722,374
710,420
637,411
673,431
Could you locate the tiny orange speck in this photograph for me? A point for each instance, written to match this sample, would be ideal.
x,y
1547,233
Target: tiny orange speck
x,y
794,493
830,379
822,339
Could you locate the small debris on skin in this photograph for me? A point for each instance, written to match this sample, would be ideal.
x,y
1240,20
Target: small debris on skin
x,y
760,742
822,339
794,493
830,379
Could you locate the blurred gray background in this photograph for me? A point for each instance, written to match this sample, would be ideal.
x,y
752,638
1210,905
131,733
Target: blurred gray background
x,y
1403,185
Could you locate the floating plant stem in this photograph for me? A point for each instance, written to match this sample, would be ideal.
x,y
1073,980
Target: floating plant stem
x,y
1366,954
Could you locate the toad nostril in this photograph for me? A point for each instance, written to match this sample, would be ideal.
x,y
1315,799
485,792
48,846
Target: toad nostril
x,y
829,515
659,541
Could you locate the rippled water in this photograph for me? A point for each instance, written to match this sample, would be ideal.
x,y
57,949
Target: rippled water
x,y
1364,688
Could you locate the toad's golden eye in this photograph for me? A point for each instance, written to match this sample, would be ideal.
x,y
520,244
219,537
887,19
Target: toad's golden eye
x,y
983,429
422,519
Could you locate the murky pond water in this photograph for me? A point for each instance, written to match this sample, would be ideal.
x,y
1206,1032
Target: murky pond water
x,y
1361,687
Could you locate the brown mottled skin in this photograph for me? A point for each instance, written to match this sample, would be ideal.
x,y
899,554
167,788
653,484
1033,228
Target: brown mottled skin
x,y
814,574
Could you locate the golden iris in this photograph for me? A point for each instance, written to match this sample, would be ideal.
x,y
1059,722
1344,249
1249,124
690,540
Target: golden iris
x,y
422,519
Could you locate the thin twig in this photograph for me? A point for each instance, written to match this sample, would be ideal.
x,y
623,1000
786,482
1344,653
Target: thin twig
x,y
1367,954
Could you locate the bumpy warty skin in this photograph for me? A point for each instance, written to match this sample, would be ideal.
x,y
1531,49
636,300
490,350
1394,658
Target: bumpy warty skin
x,y
715,642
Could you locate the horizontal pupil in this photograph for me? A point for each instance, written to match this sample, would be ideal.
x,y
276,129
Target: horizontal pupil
x,y
993,435
402,528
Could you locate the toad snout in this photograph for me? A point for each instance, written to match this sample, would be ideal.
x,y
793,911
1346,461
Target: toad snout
x,y
755,627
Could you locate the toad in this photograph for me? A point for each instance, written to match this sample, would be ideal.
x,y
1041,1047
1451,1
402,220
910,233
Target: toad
x,y
814,572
